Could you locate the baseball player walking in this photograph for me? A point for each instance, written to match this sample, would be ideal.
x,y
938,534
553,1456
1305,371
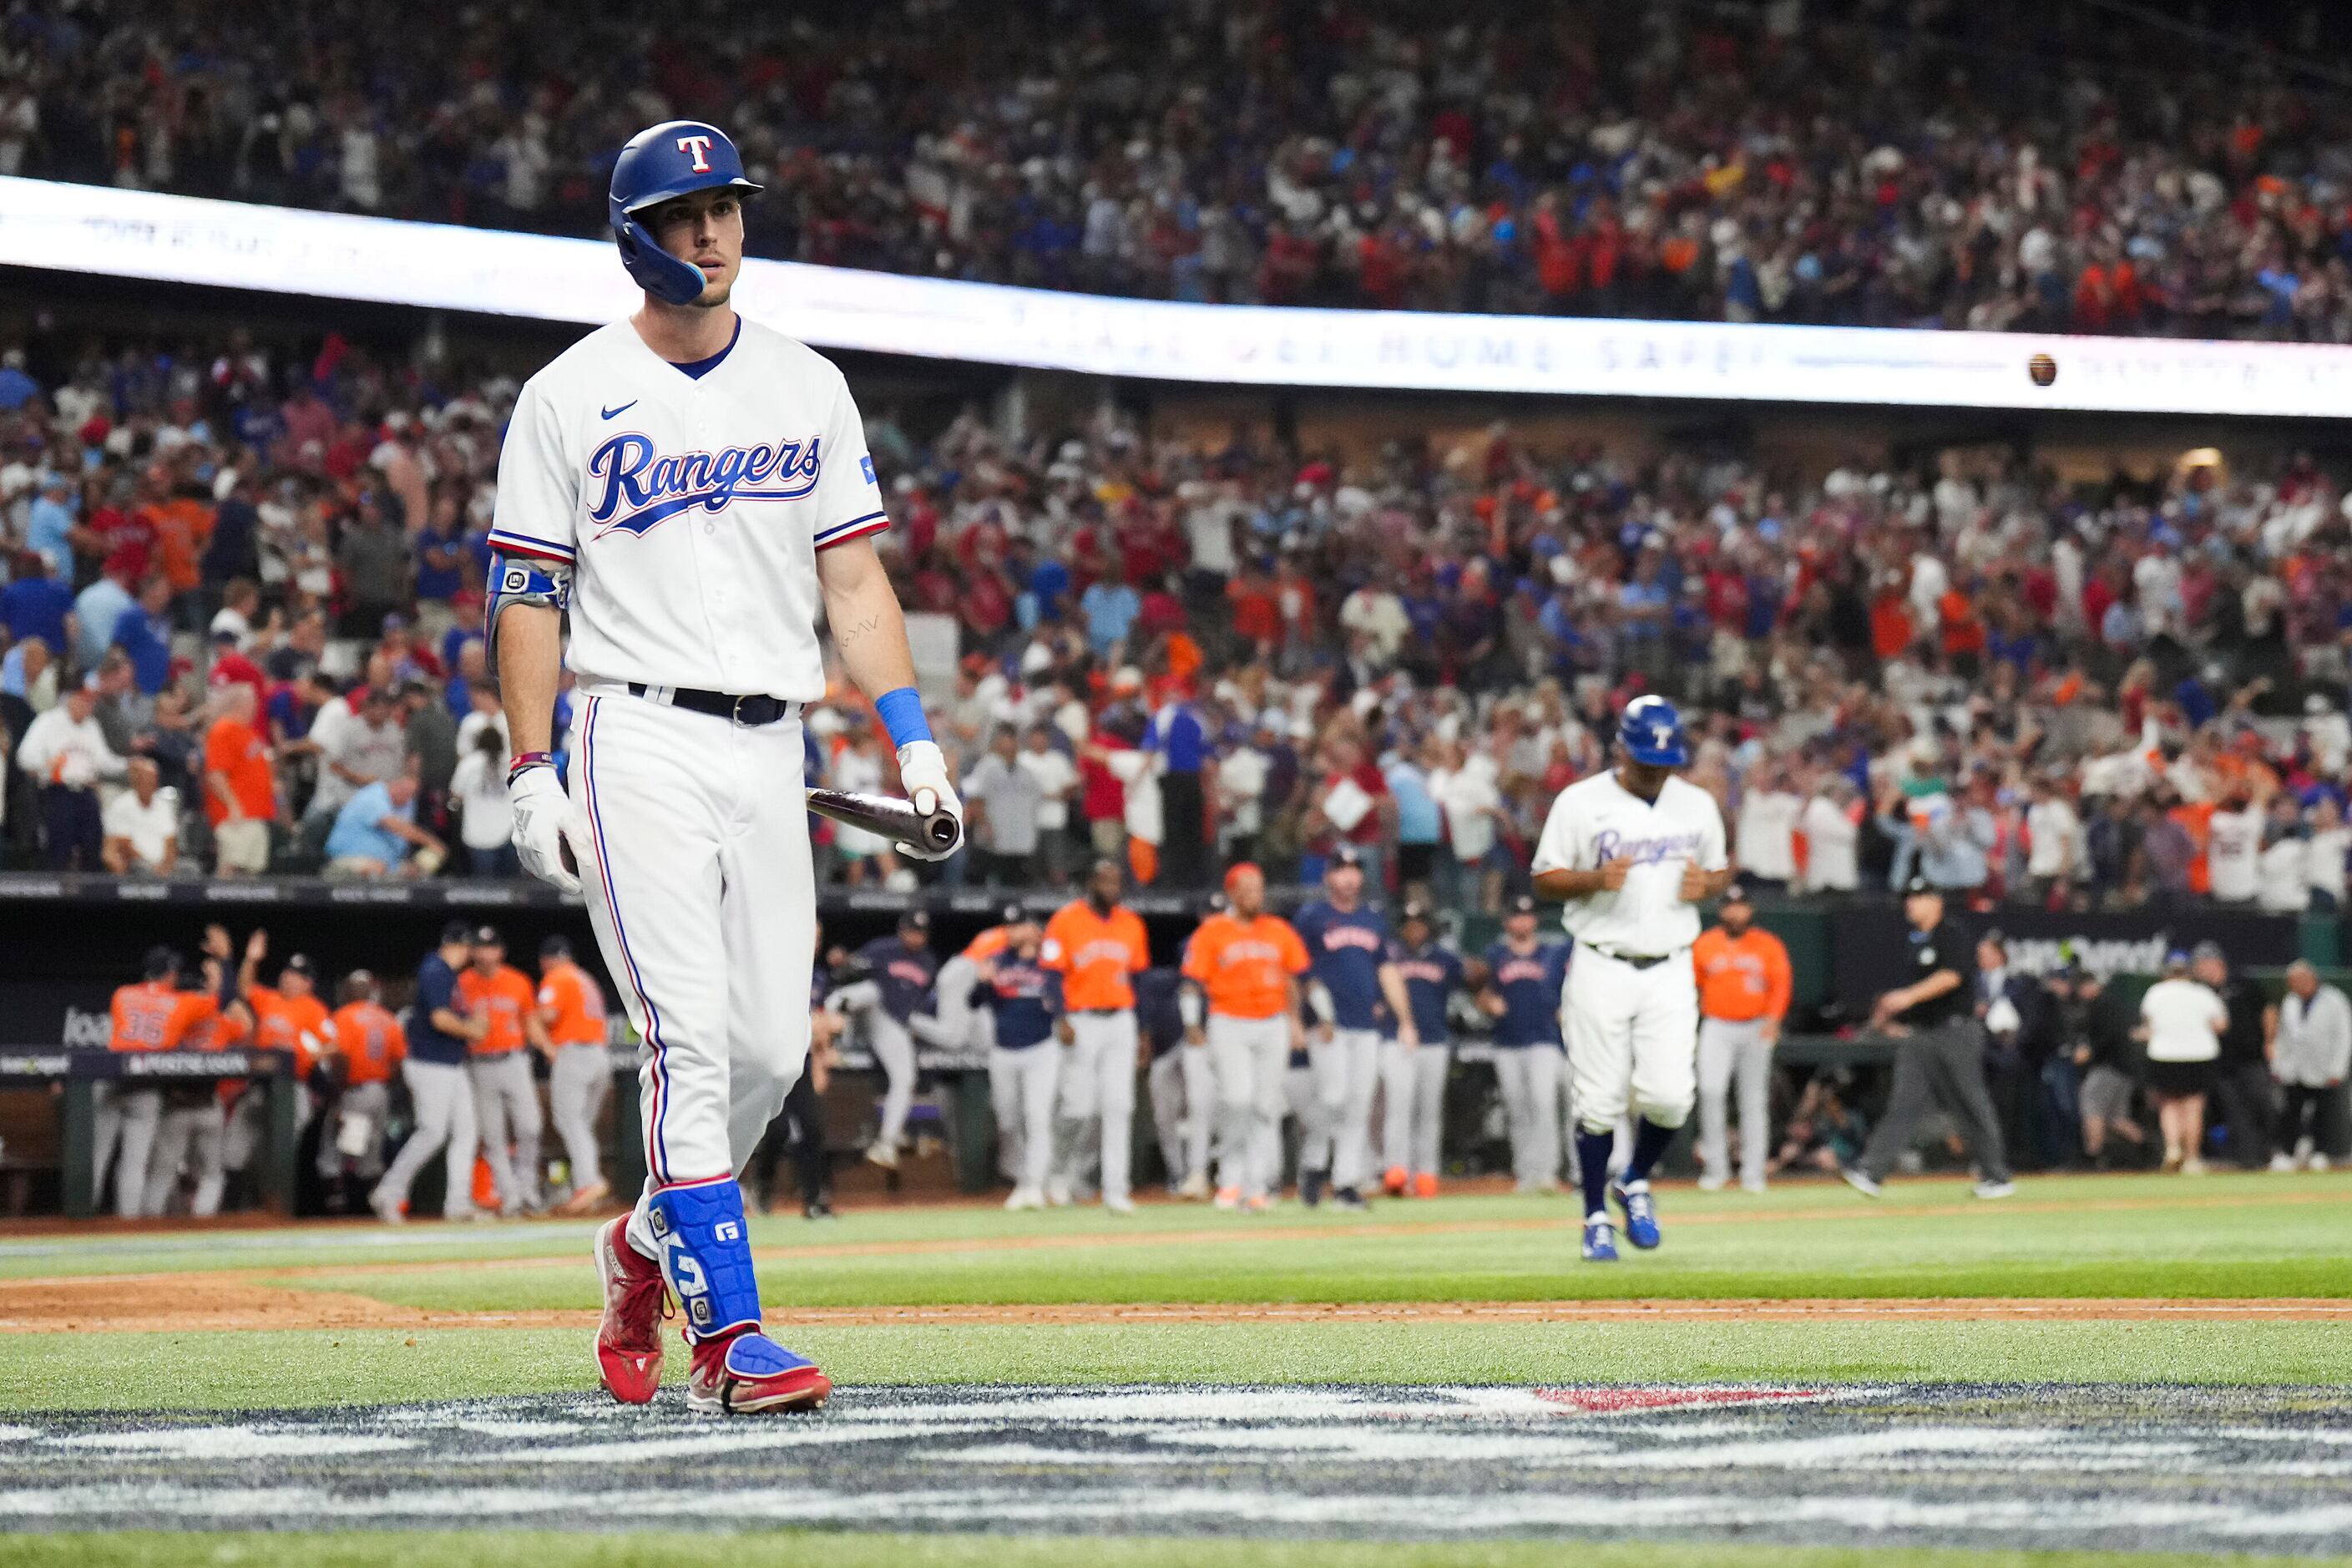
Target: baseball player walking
x,y
1632,853
903,969
696,489
1024,996
1743,994
1246,964
580,1068
1412,1078
1523,975
506,1099
1097,946
439,1035
1938,1051
1358,998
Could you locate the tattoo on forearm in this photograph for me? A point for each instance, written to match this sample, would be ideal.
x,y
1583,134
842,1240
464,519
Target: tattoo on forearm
x,y
848,635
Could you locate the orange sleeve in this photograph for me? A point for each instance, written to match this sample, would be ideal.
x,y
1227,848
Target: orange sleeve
x,y
1779,981
188,1010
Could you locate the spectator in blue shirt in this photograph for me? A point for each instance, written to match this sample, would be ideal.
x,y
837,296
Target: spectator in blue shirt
x,y
376,829
49,524
38,604
97,609
1109,607
1177,737
1419,821
16,388
144,632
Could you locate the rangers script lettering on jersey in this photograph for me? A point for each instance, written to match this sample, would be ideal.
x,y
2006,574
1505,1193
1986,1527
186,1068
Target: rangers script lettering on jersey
x,y
691,508
1597,820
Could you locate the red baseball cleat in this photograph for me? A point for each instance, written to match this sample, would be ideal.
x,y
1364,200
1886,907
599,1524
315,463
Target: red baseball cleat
x,y
1424,1185
628,1342
1393,1180
747,1373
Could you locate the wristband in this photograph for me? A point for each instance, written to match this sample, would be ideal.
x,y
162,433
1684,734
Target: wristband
x,y
526,760
901,712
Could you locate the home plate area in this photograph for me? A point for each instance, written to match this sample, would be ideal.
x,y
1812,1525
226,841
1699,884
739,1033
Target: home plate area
x,y
2184,1470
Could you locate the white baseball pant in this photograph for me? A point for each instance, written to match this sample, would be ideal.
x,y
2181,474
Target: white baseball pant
x,y
700,889
1728,1049
1250,1056
1529,1076
578,1082
505,1108
1021,1085
188,1137
441,1098
1347,1071
1098,1094
366,1104
1412,1090
1183,1110
1633,1038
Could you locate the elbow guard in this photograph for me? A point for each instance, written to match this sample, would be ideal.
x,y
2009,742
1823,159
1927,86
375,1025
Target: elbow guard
x,y
522,579
1190,1007
1319,1003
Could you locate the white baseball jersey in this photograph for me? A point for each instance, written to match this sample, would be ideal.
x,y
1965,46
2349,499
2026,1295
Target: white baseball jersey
x,y
691,508
1597,820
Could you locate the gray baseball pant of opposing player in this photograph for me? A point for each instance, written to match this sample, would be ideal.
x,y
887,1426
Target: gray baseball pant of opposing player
x,y
505,1108
1184,1109
894,1049
578,1081
442,1101
1021,1086
1097,1097
249,1124
141,1112
1530,1079
1347,1071
187,1135
1412,1123
1250,1056
370,1102
1944,1064
1730,1049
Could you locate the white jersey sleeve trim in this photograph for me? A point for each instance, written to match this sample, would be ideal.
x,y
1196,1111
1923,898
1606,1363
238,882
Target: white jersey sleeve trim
x,y
855,528
506,538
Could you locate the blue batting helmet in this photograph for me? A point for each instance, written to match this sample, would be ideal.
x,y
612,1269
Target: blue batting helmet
x,y
660,162
1652,733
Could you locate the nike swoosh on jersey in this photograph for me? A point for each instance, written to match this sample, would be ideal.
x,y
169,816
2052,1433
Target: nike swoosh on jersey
x,y
624,408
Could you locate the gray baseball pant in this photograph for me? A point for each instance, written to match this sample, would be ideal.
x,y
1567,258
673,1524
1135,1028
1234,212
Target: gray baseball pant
x,y
442,1101
1022,1081
1943,1064
505,1108
1728,1049
365,1103
1412,1083
1250,1056
578,1082
1183,1110
1347,1070
1529,1076
188,1135
1097,1098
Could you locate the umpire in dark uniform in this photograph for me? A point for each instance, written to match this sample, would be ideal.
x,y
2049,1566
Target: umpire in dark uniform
x,y
2242,1080
1938,1052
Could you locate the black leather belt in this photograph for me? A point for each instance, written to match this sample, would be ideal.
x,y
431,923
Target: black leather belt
x,y
1631,962
754,710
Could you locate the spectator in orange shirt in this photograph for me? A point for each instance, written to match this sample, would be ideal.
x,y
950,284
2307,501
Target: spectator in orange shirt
x,y
506,1100
1744,984
579,1069
240,784
153,1015
1097,946
369,1047
1244,967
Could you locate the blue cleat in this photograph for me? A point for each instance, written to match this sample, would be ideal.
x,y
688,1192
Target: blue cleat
x,y
1641,1213
748,1373
1599,1239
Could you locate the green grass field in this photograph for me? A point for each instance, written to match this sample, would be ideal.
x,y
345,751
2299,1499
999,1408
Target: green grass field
x,y
2226,1238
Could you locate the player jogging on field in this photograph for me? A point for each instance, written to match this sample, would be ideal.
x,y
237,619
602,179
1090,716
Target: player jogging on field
x,y
696,489
1097,946
1357,998
1632,853
1246,964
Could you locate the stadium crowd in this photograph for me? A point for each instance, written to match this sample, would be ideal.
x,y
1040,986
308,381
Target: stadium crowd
x,y
1984,166
241,632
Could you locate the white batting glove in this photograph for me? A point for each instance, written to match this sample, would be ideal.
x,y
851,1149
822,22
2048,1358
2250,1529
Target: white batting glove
x,y
923,770
548,828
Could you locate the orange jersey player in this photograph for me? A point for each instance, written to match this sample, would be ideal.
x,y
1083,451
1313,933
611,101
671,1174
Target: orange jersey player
x,y
1744,986
1246,964
1097,946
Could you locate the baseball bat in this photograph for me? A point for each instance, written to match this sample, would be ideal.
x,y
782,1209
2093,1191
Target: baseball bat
x,y
895,819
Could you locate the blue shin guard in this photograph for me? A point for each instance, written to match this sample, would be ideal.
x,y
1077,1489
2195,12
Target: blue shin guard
x,y
706,1256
